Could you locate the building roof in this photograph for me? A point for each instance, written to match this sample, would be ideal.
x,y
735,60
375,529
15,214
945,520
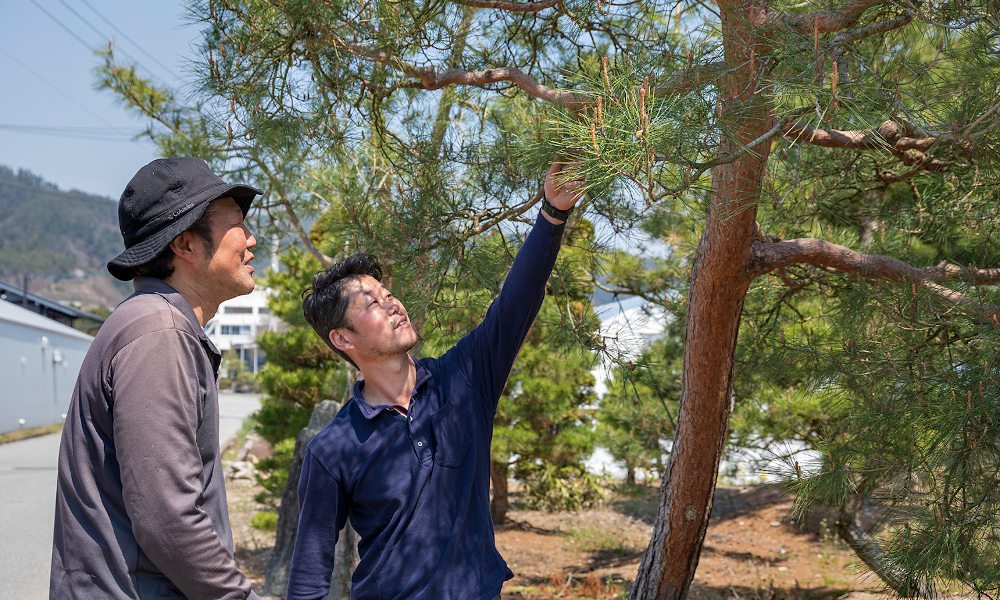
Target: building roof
x,y
45,306
12,313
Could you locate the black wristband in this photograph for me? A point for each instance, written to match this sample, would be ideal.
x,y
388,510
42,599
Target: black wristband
x,y
554,212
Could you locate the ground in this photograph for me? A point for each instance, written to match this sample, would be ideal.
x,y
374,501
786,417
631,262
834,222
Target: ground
x,y
754,550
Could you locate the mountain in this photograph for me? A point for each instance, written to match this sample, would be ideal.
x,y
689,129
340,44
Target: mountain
x,y
61,239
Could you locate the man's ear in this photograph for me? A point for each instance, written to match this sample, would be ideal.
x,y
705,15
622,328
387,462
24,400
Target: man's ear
x,y
184,247
340,341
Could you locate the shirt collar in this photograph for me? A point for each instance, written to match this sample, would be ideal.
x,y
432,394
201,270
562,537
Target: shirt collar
x,y
370,412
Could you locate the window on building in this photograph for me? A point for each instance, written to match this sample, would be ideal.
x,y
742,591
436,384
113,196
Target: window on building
x,y
238,310
234,329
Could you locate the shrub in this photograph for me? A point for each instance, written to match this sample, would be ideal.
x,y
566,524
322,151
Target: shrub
x,y
266,520
553,488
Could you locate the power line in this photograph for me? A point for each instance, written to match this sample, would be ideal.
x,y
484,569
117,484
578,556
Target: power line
x,y
98,32
60,23
130,40
112,134
54,86
67,195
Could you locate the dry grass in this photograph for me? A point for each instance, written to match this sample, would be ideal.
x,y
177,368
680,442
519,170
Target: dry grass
x,y
23,434
752,550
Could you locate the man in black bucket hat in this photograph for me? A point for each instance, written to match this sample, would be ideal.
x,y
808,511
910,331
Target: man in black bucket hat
x,y
141,500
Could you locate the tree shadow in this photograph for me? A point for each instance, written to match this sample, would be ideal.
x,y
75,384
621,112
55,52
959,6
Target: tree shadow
x,y
642,501
756,559
513,525
575,585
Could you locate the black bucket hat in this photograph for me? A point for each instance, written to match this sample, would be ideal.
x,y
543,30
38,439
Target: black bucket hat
x,y
163,200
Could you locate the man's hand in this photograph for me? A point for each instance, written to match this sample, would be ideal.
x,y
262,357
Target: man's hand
x,y
561,193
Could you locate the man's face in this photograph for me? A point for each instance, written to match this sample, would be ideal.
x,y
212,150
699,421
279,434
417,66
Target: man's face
x,y
378,326
226,271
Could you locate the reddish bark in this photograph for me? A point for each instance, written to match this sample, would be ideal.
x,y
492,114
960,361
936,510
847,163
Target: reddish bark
x,y
720,278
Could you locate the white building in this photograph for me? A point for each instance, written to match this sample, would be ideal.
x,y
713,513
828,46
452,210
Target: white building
x,y
239,321
627,328
39,362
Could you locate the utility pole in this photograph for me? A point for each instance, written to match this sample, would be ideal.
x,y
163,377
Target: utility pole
x,y
24,292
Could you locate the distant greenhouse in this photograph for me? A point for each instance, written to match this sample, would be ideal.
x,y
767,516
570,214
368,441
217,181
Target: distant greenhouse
x,y
39,362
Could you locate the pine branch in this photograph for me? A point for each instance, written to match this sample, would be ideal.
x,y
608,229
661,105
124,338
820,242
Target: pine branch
x,y
517,211
479,227
827,21
292,217
626,291
982,117
848,36
431,79
773,255
692,77
509,6
697,169
889,137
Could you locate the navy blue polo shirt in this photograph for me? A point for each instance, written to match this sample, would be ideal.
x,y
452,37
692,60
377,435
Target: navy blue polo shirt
x,y
416,489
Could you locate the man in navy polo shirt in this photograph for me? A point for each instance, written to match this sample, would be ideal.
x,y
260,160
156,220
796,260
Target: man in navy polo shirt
x,y
407,459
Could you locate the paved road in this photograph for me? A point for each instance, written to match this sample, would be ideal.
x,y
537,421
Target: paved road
x,y
233,410
28,500
28,497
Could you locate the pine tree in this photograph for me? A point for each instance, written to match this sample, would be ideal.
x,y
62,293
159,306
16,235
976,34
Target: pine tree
x,y
301,371
544,425
820,146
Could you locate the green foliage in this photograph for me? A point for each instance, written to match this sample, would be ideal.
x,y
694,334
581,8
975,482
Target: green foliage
x,y
544,427
272,472
554,488
917,433
266,520
301,370
636,418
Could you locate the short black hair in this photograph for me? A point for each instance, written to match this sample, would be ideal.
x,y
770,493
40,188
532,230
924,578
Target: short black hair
x,y
162,265
325,303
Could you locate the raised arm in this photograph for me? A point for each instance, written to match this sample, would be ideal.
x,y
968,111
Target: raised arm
x,y
487,353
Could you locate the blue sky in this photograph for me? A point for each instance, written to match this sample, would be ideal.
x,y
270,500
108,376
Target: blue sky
x,y
52,120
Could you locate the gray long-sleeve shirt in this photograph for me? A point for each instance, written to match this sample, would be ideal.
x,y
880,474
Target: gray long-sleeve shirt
x,y
141,499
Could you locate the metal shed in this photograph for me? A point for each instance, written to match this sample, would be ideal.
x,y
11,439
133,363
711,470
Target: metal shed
x,y
39,362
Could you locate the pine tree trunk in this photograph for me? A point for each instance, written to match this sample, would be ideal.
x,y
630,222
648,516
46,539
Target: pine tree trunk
x,y
720,279
498,506
868,550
